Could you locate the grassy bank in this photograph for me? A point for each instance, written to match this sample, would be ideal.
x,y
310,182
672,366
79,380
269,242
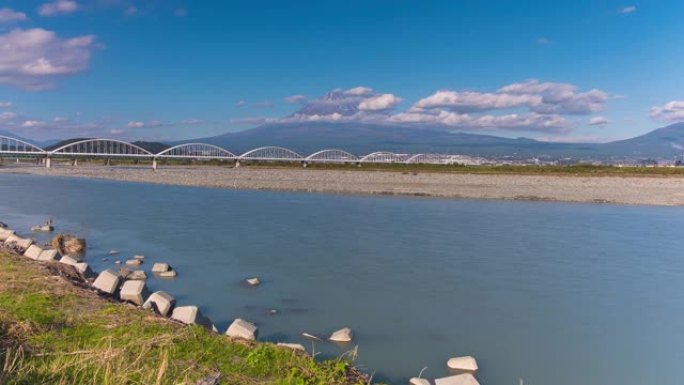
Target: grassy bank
x,y
54,332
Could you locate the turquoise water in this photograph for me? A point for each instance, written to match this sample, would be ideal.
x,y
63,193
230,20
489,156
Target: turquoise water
x,y
556,294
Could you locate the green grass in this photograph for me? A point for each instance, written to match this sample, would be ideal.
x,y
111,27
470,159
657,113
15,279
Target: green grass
x,y
52,332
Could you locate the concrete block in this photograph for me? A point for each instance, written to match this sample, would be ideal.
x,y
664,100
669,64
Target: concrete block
x,y
48,255
5,233
160,267
342,335
67,260
168,274
191,315
108,281
461,379
242,329
33,252
134,292
419,381
85,270
22,243
161,302
465,363
298,347
137,275
134,262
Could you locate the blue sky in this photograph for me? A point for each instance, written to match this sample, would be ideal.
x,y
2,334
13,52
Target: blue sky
x,y
572,71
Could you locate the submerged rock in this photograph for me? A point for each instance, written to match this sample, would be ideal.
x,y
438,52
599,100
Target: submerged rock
x,y
134,262
108,281
311,336
461,379
342,335
161,302
466,363
253,281
242,329
113,252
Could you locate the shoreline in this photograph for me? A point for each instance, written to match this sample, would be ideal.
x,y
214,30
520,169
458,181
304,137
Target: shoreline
x,y
628,190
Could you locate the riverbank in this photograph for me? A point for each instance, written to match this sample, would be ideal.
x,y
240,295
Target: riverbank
x,y
54,329
636,190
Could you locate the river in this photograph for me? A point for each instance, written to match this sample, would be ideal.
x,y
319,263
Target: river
x,y
553,293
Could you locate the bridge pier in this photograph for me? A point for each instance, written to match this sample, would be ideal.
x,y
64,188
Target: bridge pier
x,y
305,164
154,164
237,164
74,162
48,162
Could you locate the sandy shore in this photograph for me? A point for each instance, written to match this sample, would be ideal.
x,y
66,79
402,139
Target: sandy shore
x,y
667,191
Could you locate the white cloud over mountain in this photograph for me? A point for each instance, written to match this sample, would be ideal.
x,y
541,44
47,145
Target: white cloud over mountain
x,y
525,106
34,58
670,112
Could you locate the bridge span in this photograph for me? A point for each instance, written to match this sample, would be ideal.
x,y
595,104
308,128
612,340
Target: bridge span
x,y
116,149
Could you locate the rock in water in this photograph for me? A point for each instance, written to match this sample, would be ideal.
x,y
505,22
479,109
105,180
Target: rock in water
x,y
461,379
253,281
466,363
242,329
342,335
161,302
134,262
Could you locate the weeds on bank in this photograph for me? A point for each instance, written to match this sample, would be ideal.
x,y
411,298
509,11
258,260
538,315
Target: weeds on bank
x,y
54,333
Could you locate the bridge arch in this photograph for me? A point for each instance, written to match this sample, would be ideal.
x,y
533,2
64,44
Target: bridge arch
x,y
382,157
271,153
97,147
332,155
196,150
429,159
15,146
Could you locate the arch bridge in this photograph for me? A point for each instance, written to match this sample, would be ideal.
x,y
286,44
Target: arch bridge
x,y
112,148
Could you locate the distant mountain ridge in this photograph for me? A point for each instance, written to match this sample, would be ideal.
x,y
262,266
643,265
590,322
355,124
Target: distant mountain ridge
x,y
361,138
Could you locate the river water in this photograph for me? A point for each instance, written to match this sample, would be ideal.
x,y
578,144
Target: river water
x,y
553,293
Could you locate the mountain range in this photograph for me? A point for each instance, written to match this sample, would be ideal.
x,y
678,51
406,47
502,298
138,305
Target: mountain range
x,y
362,138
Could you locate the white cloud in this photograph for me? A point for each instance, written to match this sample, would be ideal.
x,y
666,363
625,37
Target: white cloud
x,y
670,112
33,58
379,102
627,9
295,99
7,116
8,15
598,121
6,104
32,123
510,122
191,122
135,124
58,7
542,98
359,91
263,104
241,103
543,41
